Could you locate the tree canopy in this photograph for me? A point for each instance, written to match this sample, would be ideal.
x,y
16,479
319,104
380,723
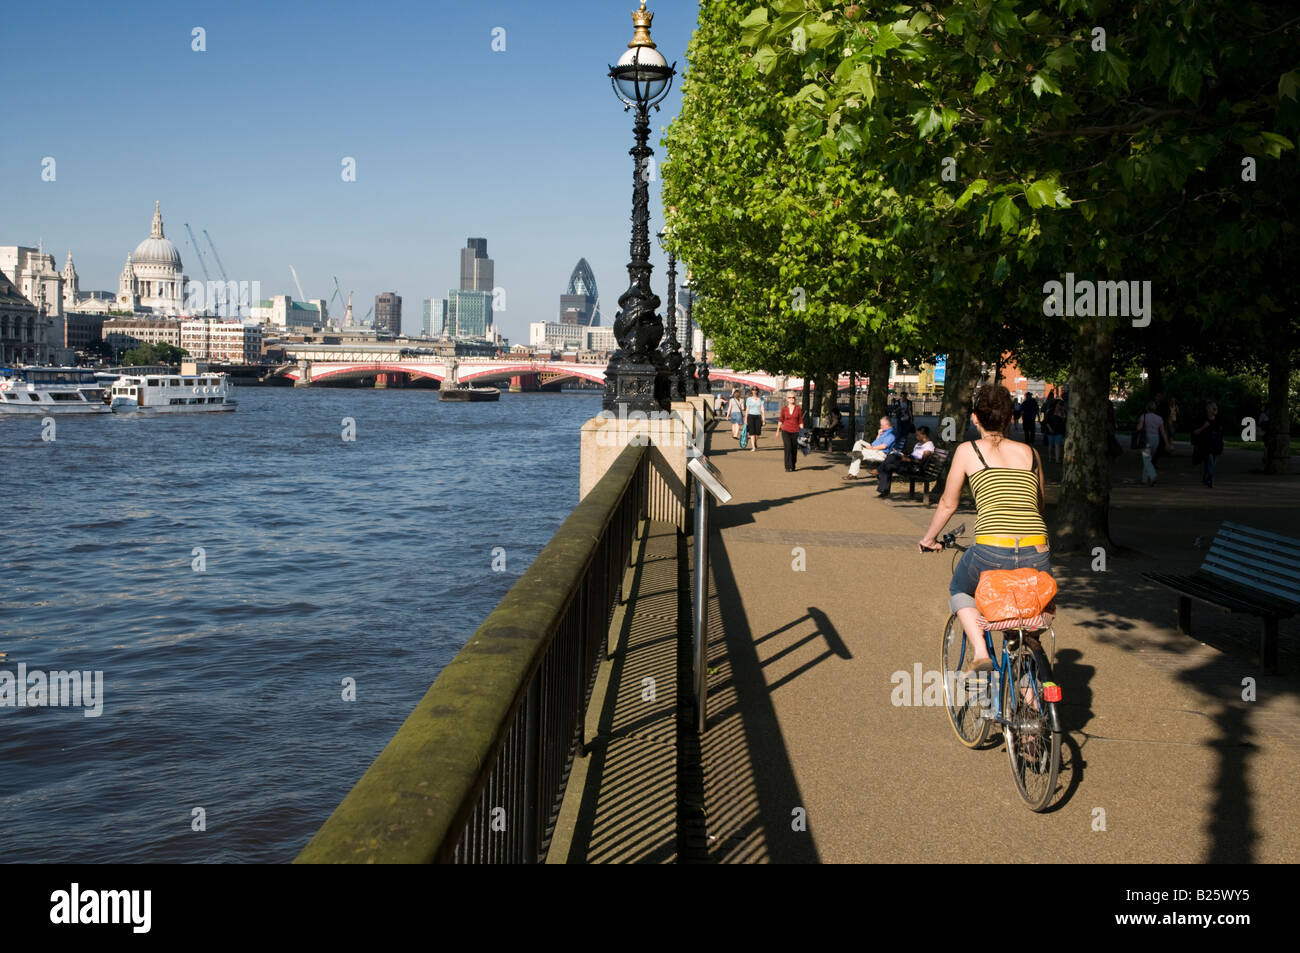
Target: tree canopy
x,y
916,176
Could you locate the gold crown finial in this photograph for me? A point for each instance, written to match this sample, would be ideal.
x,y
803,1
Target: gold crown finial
x,y
641,19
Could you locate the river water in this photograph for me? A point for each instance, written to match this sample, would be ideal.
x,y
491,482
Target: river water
x,y
227,573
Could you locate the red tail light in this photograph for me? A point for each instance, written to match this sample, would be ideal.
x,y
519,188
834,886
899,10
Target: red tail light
x,y
1051,692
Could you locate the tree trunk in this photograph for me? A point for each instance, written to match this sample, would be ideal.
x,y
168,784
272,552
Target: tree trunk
x,y
803,405
877,387
829,394
853,404
1277,440
1083,515
960,380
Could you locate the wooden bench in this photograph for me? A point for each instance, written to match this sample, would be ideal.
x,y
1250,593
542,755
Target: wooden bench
x,y
1246,570
932,474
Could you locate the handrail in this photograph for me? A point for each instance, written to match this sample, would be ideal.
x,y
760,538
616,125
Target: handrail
x,y
478,769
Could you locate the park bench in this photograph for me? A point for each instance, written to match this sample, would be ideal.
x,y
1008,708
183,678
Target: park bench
x,y
1246,570
932,474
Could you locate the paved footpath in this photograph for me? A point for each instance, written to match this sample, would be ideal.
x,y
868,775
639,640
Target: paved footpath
x,y
819,597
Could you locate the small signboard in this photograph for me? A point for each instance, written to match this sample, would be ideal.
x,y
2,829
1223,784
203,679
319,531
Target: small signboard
x,y
709,478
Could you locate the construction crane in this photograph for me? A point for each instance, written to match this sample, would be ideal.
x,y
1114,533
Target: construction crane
x,y
194,243
215,255
301,296
225,280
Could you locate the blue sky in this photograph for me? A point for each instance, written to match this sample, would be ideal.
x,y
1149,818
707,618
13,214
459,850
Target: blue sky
x,y
526,147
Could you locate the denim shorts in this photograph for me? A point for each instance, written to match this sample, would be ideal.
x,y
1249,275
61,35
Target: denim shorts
x,y
980,558
1056,440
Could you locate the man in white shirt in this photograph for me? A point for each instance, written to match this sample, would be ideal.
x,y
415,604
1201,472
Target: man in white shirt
x,y
875,451
897,463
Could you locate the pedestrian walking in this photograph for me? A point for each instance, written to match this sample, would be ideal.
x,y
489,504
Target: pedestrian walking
x,y
1153,430
734,413
1029,417
753,418
1207,443
791,424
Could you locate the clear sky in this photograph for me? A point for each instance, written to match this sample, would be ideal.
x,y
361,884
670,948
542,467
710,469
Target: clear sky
x,y
526,147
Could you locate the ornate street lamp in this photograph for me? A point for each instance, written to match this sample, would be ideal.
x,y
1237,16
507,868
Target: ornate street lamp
x,y
690,385
637,378
669,348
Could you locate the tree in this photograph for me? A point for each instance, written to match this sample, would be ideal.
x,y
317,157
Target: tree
x,y
944,174
147,354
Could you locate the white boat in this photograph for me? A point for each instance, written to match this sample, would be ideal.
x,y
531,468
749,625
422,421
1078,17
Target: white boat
x,y
171,393
42,391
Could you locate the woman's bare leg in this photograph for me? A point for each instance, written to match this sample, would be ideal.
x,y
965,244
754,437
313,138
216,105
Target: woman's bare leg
x,y
970,622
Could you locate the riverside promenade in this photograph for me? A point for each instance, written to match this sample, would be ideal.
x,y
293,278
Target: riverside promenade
x,y
819,598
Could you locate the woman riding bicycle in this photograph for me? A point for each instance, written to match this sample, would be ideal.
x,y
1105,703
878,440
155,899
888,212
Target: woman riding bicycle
x,y
1006,478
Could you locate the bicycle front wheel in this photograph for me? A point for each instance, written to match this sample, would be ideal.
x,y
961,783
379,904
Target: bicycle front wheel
x,y
960,694
1033,744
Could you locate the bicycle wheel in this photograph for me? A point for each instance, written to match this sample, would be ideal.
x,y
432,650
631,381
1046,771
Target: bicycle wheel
x,y
1033,744
965,711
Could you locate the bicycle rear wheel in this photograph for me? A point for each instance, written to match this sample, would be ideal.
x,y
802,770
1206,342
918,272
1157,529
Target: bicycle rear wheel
x,y
1033,744
965,710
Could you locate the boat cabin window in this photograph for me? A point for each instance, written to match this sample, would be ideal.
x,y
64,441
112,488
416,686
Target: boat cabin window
x,y
35,397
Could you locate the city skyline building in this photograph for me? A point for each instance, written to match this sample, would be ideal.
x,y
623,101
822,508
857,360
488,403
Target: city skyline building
x,y
477,270
435,317
469,314
580,302
388,313
153,277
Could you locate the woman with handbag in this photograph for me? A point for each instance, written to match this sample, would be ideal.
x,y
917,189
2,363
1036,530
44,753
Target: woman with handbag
x,y
1006,479
791,424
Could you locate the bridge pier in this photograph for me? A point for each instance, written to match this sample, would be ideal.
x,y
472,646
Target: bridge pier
x,y
524,382
304,374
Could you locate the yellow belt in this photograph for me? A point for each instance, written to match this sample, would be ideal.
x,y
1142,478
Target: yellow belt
x,y
1011,540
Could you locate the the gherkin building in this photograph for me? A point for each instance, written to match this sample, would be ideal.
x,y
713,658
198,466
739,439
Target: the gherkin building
x,y
580,303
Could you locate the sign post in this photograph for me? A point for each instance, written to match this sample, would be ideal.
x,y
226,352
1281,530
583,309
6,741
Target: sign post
x,y
708,485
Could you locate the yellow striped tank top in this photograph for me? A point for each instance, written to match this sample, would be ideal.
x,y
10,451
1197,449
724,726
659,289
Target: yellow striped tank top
x,y
1006,500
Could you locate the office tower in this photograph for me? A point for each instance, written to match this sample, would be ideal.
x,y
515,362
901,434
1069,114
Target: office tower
x,y
578,303
388,312
476,268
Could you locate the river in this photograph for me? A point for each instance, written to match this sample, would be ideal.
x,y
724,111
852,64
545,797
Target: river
x,y
235,576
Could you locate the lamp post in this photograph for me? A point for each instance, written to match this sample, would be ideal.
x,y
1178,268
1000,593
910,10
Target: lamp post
x,y
636,378
690,386
670,348
702,371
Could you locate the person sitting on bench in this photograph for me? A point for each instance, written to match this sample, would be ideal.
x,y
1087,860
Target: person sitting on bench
x,y
830,425
874,452
897,463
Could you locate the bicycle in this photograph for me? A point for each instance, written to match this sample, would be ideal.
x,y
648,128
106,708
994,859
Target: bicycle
x,y
1024,703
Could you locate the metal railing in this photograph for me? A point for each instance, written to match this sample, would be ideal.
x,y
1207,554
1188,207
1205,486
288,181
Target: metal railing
x,y
477,772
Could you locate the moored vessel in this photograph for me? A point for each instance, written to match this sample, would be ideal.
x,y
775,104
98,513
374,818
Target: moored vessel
x,y
43,391
171,393
467,393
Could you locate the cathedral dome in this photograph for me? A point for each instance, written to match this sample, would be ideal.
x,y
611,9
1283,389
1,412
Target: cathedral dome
x,y
157,249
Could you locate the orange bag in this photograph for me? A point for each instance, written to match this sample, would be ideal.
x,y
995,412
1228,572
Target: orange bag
x,y
1013,593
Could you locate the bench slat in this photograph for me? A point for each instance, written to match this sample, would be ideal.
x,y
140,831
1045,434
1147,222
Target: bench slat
x,y
1281,563
1287,542
1263,600
1260,580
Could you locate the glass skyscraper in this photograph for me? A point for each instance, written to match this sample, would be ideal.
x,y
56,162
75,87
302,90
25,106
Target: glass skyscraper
x,y
469,313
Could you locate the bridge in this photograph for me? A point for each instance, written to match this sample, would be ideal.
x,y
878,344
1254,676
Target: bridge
x,y
316,364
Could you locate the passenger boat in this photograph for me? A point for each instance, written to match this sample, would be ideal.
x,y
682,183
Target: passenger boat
x,y
465,392
43,391
171,393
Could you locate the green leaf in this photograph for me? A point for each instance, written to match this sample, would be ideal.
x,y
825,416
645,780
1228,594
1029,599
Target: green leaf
x,y
975,188
1001,269
1040,193
1005,213
1112,69
848,138
752,27
863,82
1062,58
1044,81
1289,84
985,82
